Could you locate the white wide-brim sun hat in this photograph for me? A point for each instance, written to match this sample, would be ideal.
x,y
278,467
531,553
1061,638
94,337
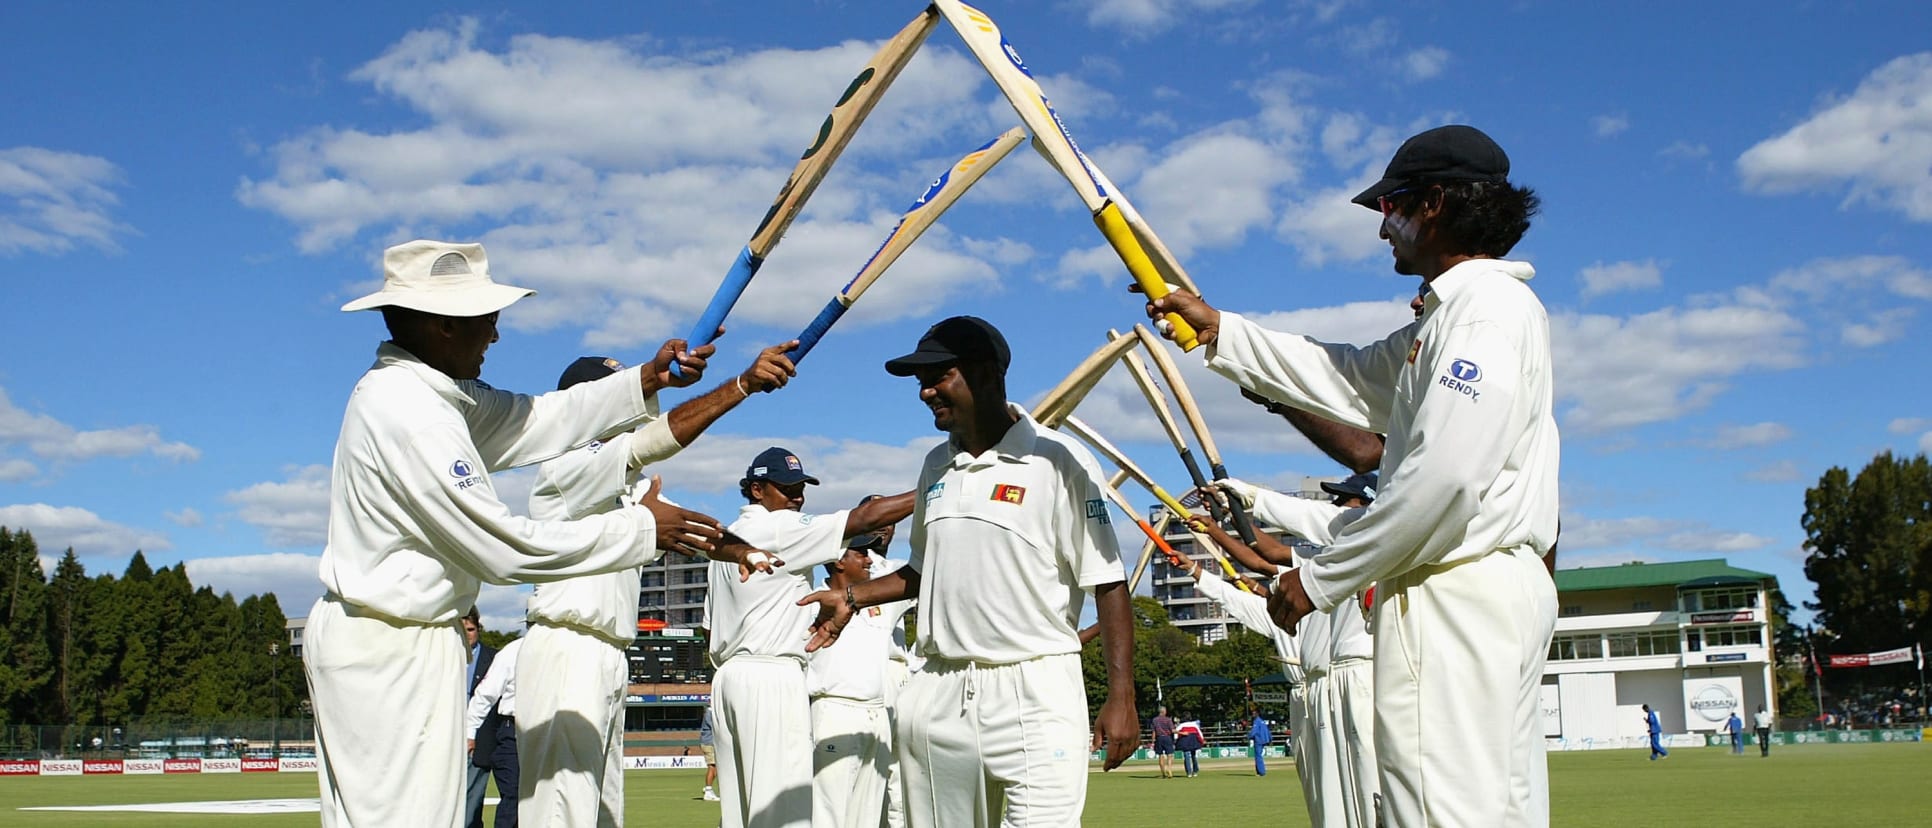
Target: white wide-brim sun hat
x,y
442,278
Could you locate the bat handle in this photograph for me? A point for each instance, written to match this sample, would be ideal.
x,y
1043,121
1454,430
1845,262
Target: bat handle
x,y
1113,225
816,330
729,290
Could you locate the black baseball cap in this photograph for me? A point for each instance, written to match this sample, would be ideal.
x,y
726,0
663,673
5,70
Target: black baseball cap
x,y
1361,485
1446,153
957,339
588,368
778,465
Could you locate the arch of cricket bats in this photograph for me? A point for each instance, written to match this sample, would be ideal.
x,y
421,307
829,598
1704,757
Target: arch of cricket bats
x,y
1153,267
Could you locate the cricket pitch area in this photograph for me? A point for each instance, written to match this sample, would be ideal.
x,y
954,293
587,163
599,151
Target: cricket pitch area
x,y
1873,784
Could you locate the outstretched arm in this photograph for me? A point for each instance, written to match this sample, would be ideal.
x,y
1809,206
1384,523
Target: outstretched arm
x,y
667,436
1360,450
878,513
836,608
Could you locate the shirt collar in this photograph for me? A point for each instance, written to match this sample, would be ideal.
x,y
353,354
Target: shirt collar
x,y
1456,279
390,354
1013,447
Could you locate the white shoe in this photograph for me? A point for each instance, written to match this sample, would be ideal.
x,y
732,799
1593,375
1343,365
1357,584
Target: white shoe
x,y
710,795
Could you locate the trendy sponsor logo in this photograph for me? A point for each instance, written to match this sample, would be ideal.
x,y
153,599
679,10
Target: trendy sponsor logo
x,y
1465,370
20,768
260,766
181,766
94,766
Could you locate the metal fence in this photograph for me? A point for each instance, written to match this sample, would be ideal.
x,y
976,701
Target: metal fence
x,y
169,739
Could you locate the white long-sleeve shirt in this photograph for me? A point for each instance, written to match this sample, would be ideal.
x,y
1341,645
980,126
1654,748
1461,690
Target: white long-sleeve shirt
x,y
1466,400
1344,630
1252,611
595,479
415,524
498,689
760,616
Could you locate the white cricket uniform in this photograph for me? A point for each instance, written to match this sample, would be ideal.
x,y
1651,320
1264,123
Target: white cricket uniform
x,y
850,723
414,527
762,718
899,666
574,671
1468,506
994,727
1337,653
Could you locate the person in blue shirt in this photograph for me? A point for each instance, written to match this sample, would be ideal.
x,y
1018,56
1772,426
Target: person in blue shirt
x,y
1258,738
1736,726
1656,734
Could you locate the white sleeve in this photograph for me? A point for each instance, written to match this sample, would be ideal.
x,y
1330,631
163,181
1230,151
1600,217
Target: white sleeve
x,y
513,430
462,519
802,541
1458,445
1086,535
490,689
583,482
1350,385
653,443
1313,520
1249,609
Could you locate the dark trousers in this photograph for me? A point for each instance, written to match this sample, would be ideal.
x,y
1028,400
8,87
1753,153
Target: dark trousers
x,y
503,762
1190,763
1764,741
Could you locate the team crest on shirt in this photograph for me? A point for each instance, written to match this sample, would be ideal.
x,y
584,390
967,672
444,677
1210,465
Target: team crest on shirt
x,y
1414,350
935,490
1009,493
1097,510
874,611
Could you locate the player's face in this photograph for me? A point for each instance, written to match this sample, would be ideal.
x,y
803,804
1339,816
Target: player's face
x,y
778,497
470,336
944,390
856,566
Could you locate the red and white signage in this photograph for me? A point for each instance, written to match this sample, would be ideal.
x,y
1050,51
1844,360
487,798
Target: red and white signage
x,y
94,766
260,766
60,767
143,766
181,765
1738,616
1899,656
19,767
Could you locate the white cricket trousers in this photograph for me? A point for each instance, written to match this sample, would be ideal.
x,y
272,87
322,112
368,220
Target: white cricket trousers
x,y
1350,686
1315,760
762,730
1459,654
850,764
570,728
897,672
388,699
984,745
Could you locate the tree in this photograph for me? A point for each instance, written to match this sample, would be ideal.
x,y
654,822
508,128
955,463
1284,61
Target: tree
x,y
25,658
1869,544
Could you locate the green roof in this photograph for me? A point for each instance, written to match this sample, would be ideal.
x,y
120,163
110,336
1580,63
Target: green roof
x,y
1633,575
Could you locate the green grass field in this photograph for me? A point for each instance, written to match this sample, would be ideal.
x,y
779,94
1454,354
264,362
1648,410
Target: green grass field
x,y
1842,785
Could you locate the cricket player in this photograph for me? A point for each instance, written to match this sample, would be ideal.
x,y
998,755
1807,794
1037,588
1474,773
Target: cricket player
x,y
762,715
1010,533
900,663
1336,649
850,723
1465,608
415,526
573,674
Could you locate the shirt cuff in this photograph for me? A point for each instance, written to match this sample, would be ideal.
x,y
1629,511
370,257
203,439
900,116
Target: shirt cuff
x,y
1312,586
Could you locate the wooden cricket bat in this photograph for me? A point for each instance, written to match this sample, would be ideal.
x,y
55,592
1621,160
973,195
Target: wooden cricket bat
x,y
1119,458
1243,523
1061,400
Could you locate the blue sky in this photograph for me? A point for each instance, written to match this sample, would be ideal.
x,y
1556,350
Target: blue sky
x,y
1733,248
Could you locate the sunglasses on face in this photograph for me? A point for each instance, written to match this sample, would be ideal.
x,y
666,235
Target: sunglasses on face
x,y
1387,202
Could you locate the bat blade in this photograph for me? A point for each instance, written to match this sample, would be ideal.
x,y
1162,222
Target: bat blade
x,y
933,203
1060,401
1243,523
840,125
1119,458
1051,138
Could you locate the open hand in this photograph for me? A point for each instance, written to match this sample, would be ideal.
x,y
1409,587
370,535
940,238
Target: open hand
x,y
679,529
833,615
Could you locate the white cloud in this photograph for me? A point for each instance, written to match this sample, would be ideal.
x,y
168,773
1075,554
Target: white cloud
x,y
1858,295
1658,533
1749,436
1606,126
188,516
291,512
710,469
597,167
1878,329
52,439
1685,151
52,200
502,607
1564,560
1616,372
290,576
1908,425
1876,144
60,527
1783,471
15,470
1426,62
1144,17
1600,278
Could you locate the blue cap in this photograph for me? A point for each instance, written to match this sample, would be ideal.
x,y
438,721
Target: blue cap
x,y
1361,485
778,465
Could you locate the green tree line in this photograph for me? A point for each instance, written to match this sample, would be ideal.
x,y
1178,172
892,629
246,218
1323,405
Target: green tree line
x,y
1868,544
102,650
1165,652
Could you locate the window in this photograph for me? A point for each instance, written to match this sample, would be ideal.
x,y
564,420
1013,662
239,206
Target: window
x,y
1648,643
1721,599
1639,606
1576,647
1749,635
1573,609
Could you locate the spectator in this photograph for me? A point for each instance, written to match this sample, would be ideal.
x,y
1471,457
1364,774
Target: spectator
x,y
1189,741
1764,732
1163,728
706,746
478,780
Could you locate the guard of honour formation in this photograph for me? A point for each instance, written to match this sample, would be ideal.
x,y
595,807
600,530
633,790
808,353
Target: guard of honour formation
x,y
1415,632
